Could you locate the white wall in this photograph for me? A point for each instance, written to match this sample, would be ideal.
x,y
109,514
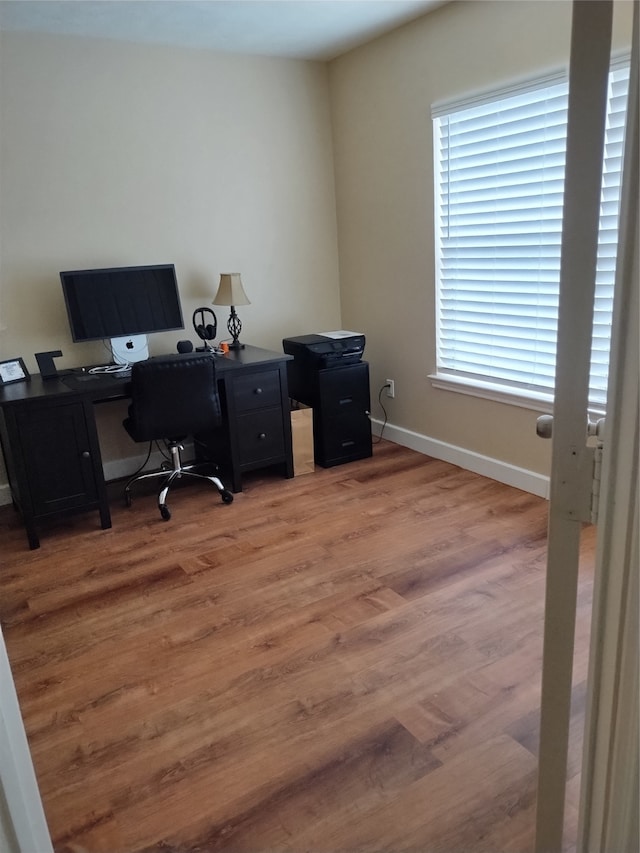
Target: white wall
x,y
114,154
381,97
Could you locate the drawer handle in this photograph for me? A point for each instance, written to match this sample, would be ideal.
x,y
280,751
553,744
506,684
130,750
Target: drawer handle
x,y
86,454
262,436
345,400
258,391
348,443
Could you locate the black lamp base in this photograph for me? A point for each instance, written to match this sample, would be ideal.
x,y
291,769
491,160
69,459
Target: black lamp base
x,y
235,327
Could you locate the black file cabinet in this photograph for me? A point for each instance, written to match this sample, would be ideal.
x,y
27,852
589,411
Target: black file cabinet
x,y
257,429
339,397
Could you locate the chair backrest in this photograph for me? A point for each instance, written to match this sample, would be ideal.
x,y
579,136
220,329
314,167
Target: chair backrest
x,y
173,396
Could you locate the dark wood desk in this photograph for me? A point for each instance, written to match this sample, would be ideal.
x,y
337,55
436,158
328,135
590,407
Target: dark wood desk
x,y
51,448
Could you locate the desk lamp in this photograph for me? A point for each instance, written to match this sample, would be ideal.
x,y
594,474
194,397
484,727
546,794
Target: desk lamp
x,y
230,292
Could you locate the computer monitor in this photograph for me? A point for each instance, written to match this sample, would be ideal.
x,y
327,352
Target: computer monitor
x,y
122,304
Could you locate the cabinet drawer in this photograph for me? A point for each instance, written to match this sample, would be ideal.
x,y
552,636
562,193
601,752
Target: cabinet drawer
x,y
345,390
256,391
261,437
342,439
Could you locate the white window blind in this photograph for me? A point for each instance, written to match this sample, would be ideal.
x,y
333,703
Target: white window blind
x,y
499,199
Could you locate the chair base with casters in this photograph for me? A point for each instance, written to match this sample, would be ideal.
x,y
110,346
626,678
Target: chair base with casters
x,y
170,475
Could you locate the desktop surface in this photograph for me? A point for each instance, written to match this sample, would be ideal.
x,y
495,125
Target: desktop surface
x,y
116,385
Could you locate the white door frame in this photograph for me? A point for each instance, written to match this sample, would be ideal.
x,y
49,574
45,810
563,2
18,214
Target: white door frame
x,y
23,825
610,769
571,463
608,817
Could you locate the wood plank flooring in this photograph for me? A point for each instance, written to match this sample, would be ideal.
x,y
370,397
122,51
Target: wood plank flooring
x,y
345,661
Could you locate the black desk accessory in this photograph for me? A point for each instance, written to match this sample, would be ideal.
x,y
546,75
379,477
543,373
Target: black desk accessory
x,y
48,370
13,370
205,331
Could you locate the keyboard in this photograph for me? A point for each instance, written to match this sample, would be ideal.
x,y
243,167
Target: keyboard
x,y
78,381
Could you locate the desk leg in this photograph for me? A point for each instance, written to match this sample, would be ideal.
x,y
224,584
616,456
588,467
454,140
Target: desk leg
x,y
105,517
32,535
236,480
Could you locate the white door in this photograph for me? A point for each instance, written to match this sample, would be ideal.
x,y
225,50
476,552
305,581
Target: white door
x,y
572,460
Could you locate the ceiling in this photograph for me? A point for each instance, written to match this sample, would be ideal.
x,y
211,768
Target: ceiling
x,y
300,29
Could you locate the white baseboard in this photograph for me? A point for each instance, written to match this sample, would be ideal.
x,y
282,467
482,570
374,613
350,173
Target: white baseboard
x,y
115,469
503,472
511,475
119,469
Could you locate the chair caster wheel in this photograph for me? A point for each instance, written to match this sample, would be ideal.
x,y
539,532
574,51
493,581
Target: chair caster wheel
x,y
227,496
127,499
165,512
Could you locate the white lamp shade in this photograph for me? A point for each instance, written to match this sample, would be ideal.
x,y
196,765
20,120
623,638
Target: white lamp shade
x,y
230,290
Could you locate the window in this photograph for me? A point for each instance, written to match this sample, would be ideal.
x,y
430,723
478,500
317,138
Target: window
x,y
499,174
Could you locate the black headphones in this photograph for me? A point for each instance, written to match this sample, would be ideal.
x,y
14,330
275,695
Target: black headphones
x,y
205,331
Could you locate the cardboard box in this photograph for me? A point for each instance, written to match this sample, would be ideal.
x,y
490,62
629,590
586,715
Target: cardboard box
x,y
302,439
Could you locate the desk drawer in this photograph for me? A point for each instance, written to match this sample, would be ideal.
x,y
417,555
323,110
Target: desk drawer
x,y
342,439
259,390
344,390
261,437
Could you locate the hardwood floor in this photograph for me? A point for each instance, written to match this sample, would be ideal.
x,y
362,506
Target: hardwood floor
x,y
346,661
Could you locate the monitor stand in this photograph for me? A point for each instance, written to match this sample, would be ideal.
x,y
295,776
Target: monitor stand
x,y
129,349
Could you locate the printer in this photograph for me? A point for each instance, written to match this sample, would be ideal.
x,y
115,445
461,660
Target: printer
x,y
326,349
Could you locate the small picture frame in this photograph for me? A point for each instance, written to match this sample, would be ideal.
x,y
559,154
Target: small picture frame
x,y
13,370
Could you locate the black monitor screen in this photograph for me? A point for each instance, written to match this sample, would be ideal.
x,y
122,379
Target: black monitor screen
x,y
122,301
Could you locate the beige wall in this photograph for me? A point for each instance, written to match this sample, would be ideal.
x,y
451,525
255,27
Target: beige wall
x,y
114,154
381,95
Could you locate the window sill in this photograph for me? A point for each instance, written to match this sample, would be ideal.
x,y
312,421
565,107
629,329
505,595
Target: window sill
x,y
532,400
535,401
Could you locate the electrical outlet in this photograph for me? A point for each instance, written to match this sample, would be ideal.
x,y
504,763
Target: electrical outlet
x,y
391,387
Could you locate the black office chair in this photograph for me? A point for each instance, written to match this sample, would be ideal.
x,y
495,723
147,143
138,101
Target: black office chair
x,y
173,396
